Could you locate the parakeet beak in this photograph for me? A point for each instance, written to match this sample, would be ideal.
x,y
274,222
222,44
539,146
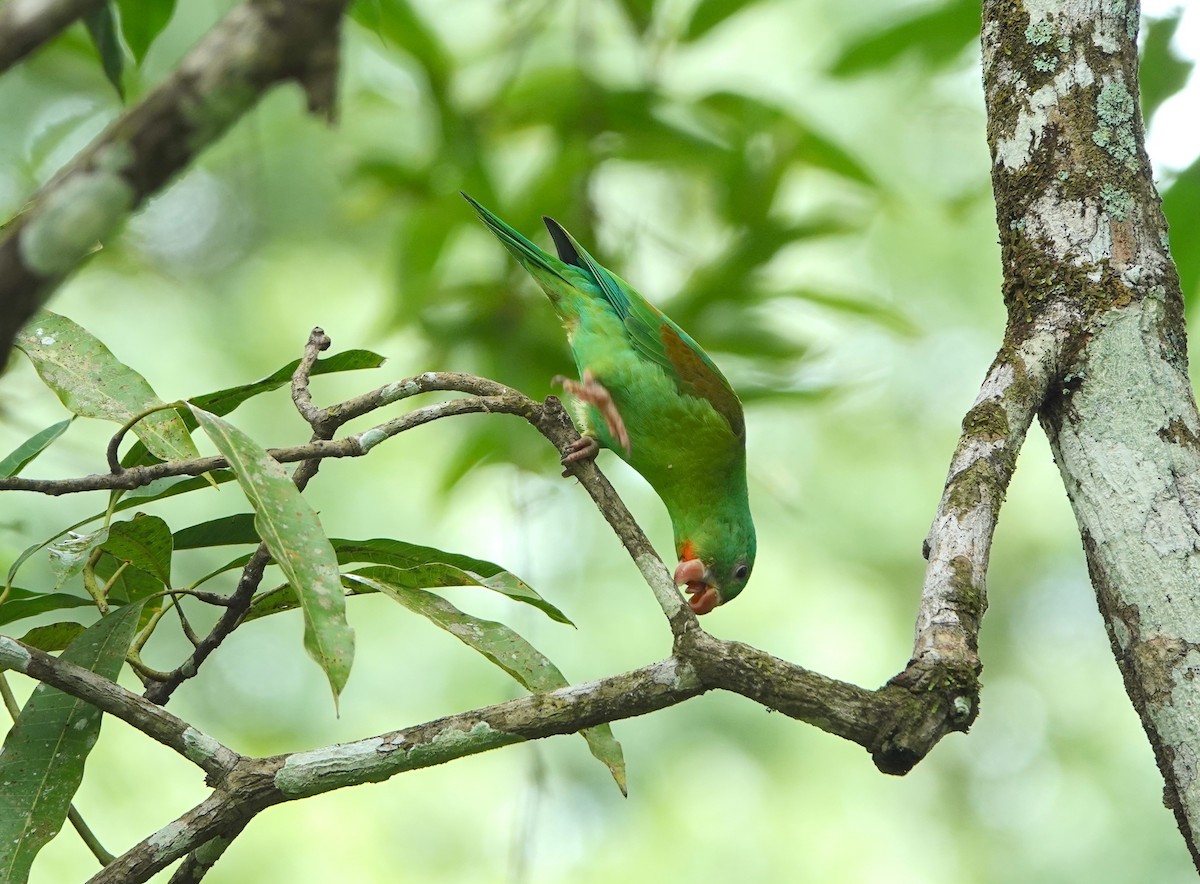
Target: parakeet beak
x,y
703,595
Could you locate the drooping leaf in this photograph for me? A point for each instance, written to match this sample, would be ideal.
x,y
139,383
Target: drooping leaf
x,y
69,554
710,13
145,542
41,765
142,21
101,24
506,649
24,454
53,636
424,567
91,382
225,531
939,35
22,603
293,534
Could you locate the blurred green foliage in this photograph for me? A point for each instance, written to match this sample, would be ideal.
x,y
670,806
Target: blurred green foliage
x,y
804,187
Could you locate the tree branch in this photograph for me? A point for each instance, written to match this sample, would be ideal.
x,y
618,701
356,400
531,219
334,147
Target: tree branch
x,y
27,24
202,750
1084,247
886,722
959,543
257,45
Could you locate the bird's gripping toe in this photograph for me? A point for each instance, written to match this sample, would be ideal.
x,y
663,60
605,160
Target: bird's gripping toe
x,y
593,392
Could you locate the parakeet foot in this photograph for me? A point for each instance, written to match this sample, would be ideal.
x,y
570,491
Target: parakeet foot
x,y
583,448
594,393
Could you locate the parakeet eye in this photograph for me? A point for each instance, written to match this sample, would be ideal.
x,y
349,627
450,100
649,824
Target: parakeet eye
x,y
741,572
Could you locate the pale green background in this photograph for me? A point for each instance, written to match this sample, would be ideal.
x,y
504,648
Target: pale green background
x,y
219,282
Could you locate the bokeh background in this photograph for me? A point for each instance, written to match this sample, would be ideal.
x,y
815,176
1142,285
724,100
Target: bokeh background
x,y
804,187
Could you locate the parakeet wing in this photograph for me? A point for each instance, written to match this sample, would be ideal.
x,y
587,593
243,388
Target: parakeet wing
x,y
655,337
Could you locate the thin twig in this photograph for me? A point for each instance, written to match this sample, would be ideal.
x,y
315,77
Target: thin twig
x,y
318,342
89,837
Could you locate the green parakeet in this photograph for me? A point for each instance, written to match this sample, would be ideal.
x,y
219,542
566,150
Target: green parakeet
x,y
649,393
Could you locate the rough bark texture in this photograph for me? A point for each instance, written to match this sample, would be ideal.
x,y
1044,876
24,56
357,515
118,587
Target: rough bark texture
x,y
1084,247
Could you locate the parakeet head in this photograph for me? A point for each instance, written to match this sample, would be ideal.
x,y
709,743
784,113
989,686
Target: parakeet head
x,y
715,563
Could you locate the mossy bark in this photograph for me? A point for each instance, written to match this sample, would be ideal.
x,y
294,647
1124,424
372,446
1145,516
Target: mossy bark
x,y
1084,241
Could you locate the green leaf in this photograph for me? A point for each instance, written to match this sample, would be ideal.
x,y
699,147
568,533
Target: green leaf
x,y
224,401
142,21
423,567
1162,73
102,26
53,636
90,381
145,542
41,765
70,554
239,562
170,486
24,454
221,402
1179,205
283,598
225,531
506,649
22,603
293,534
131,584
710,13
397,22
940,35
639,12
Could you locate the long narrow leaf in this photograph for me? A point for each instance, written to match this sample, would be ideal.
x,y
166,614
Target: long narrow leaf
x,y
102,26
221,402
22,603
292,532
225,531
506,649
41,765
424,567
92,382
21,456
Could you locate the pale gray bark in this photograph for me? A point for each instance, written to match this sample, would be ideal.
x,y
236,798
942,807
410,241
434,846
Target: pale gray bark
x,y
1085,250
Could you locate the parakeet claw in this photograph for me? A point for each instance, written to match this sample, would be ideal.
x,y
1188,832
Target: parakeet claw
x,y
594,393
703,595
583,448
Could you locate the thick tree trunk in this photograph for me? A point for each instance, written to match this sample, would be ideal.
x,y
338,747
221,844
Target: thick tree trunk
x,y
1084,250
